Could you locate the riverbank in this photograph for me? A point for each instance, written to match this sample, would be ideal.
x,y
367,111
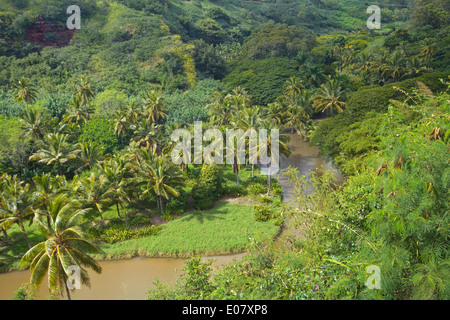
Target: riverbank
x,y
222,230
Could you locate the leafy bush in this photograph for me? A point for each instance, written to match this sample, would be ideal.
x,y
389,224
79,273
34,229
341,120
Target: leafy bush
x,y
256,188
177,205
262,213
263,79
235,191
208,187
99,130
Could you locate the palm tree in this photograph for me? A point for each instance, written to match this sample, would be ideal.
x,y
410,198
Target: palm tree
x,y
54,149
84,92
132,112
266,148
328,97
414,67
428,49
221,109
157,174
65,246
154,106
293,87
296,117
75,111
146,133
114,169
24,92
89,153
314,74
394,68
249,119
120,124
47,186
238,99
94,193
274,111
16,205
34,123
166,177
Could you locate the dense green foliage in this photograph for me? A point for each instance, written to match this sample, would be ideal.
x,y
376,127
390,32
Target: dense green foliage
x,y
85,137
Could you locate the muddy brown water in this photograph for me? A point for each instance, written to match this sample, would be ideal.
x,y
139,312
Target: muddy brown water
x,y
131,279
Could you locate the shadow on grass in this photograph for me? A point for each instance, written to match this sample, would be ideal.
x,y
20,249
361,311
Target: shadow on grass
x,y
216,213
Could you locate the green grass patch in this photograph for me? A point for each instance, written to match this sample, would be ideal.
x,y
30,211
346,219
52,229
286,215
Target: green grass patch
x,y
224,229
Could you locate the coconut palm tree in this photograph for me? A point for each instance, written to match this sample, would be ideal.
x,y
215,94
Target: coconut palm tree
x,y
16,205
166,178
329,97
46,186
314,74
394,68
249,119
221,109
154,106
34,123
428,49
296,117
114,169
274,111
120,124
84,92
75,111
24,92
132,112
54,149
89,153
267,148
293,87
414,67
65,246
157,174
94,193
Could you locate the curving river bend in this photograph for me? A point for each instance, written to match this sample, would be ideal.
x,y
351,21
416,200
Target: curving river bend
x,y
131,279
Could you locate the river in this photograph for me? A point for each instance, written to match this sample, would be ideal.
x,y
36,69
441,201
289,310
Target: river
x,y
131,279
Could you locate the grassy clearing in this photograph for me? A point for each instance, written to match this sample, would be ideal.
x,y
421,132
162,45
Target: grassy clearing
x,y
224,229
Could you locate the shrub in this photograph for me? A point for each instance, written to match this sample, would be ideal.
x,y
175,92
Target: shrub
x,y
256,188
262,213
178,205
209,187
235,191
263,79
99,130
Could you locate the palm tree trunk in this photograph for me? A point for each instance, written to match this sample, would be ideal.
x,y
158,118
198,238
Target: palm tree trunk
x,y
161,205
253,170
5,234
24,232
103,221
269,176
48,221
67,289
118,210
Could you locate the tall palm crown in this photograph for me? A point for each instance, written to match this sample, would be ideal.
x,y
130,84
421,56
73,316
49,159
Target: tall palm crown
x,y
84,92
16,204
154,106
24,91
34,123
54,148
221,109
157,174
65,246
94,193
329,97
